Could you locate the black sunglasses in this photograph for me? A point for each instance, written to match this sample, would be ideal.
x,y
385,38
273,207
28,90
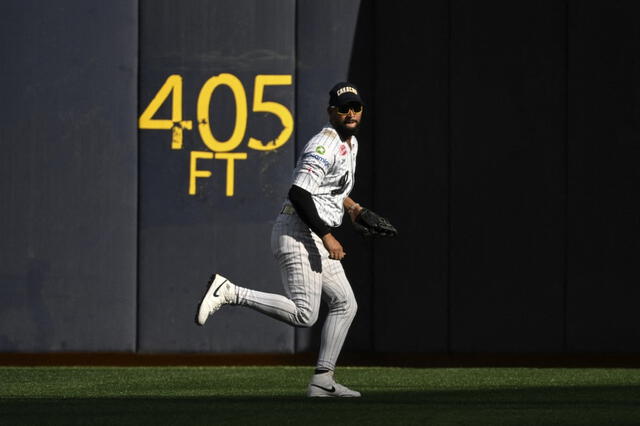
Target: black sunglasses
x,y
344,109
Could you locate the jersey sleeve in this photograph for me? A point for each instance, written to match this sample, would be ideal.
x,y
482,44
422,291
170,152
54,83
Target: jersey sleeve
x,y
314,163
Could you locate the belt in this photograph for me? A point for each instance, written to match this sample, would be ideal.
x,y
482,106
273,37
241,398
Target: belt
x,y
288,209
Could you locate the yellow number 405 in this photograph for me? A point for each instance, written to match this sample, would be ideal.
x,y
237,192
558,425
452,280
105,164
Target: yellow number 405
x,y
173,85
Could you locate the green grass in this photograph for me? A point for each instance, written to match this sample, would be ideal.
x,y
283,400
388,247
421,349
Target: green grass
x,y
275,395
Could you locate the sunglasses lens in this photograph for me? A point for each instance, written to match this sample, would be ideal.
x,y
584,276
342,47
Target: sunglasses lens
x,y
344,109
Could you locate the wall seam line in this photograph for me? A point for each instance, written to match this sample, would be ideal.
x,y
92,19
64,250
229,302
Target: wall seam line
x,y
565,284
138,193
449,179
296,121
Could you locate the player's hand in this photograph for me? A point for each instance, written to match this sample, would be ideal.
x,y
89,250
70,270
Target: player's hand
x,y
333,246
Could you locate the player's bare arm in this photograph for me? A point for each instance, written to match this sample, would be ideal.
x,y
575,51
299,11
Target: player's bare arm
x,y
352,208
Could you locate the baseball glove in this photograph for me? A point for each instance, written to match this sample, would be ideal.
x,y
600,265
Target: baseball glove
x,y
370,224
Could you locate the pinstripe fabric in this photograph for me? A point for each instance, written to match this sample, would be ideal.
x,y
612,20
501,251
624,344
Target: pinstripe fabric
x,y
309,276
326,169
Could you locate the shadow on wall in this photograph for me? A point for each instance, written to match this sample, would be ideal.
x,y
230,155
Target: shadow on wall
x,y
358,262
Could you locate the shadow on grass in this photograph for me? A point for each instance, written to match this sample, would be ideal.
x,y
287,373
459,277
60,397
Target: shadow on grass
x,y
614,405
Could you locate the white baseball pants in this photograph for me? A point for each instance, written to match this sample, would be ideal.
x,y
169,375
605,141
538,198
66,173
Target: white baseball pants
x,y
308,276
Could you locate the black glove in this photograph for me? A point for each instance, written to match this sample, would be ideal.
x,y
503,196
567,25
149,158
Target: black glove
x,y
370,224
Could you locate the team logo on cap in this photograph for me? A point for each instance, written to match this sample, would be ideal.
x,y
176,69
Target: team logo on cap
x,y
347,89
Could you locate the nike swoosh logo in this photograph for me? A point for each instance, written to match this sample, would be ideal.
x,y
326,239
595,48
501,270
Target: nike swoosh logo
x,y
215,293
333,388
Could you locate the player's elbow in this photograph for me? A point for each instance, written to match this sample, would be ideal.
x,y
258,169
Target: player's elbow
x,y
299,196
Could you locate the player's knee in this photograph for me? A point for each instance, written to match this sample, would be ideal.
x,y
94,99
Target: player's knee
x,y
351,306
346,306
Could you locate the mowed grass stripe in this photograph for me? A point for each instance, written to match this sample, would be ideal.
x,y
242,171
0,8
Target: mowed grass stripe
x,y
275,395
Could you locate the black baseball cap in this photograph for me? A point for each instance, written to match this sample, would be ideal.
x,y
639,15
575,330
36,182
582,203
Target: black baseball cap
x,y
343,93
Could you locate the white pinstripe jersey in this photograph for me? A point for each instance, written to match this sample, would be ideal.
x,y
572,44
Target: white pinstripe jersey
x,y
326,168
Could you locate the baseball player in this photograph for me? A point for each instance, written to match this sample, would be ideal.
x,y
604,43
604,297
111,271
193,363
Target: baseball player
x,y
303,244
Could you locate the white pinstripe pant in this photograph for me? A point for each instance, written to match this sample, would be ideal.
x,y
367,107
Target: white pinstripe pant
x,y
308,276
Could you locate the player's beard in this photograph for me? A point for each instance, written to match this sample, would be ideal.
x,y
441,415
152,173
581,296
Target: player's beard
x,y
347,132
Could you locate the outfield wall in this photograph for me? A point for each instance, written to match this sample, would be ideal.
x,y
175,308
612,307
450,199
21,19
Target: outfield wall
x,y
69,172
148,144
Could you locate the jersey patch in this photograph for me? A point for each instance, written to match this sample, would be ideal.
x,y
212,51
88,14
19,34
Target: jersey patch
x,y
323,160
320,149
343,149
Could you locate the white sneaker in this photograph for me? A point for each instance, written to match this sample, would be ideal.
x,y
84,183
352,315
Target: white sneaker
x,y
323,385
220,292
